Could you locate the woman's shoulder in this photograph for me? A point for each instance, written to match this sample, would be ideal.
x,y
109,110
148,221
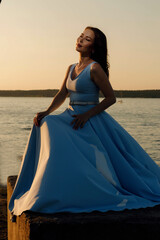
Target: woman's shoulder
x,y
70,66
96,68
69,69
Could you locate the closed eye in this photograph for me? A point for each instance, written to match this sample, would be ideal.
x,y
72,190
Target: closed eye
x,y
86,38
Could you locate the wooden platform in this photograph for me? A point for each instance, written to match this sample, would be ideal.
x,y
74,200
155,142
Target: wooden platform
x,y
127,224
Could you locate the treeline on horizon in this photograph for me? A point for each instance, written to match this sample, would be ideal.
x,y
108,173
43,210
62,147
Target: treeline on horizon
x,y
52,92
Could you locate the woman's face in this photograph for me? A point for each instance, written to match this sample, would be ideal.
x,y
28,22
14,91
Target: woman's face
x,y
85,42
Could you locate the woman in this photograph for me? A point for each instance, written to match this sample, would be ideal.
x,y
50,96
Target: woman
x,y
97,167
85,46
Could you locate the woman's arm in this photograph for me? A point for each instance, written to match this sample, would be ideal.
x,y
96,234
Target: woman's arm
x,y
57,101
101,80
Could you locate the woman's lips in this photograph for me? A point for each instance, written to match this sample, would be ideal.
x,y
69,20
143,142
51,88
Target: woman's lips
x,y
79,45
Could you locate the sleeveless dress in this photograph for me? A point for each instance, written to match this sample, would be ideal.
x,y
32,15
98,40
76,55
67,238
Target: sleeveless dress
x,y
98,167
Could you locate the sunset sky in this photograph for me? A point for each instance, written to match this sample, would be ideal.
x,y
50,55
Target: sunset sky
x,y
37,41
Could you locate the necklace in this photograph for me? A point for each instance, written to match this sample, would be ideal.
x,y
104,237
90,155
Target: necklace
x,y
82,66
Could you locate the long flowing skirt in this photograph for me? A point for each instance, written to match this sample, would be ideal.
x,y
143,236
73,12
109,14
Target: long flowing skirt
x,y
97,167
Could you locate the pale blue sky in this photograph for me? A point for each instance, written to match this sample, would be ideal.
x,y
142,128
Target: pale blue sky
x,y
38,41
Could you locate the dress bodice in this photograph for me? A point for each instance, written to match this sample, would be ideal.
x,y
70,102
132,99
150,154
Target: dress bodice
x,y
82,88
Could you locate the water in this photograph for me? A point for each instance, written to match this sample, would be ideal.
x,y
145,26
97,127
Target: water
x,y
139,116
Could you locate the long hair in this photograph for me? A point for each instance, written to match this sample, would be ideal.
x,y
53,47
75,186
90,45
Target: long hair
x,y
100,53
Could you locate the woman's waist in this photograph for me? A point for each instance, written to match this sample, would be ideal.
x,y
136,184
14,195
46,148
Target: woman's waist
x,y
80,108
83,102
83,98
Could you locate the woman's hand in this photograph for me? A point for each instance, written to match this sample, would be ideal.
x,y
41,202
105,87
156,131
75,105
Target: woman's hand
x,y
79,120
37,119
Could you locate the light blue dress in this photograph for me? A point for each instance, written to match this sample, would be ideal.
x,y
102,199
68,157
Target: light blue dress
x,y
97,167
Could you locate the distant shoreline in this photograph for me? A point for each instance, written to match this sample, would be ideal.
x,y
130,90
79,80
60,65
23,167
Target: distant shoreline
x,y
154,93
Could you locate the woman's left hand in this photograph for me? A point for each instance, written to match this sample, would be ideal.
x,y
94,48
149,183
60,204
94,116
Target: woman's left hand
x,y
80,120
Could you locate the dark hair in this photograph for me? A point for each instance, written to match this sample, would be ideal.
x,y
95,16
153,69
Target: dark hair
x,y
100,53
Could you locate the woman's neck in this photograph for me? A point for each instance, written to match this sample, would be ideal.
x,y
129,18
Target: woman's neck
x,y
83,60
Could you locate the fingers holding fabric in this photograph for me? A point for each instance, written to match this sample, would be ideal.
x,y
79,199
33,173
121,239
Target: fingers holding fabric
x,y
79,120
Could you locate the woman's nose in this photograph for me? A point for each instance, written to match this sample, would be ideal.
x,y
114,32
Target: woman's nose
x,y
81,39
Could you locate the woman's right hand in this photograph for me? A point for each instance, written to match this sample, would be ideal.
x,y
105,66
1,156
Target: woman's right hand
x,y
37,119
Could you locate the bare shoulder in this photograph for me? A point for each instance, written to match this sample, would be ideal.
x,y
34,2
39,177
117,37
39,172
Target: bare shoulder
x,y
69,67
67,72
63,90
97,72
96,67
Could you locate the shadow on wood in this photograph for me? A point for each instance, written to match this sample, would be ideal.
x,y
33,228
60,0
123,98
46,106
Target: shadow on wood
x,y
3,212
